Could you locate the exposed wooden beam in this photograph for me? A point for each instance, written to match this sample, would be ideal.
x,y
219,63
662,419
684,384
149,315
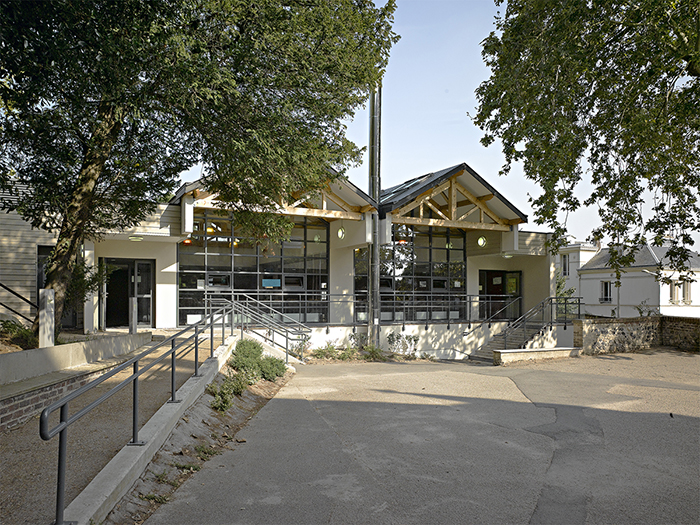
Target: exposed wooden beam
x,y
436,208
340,202
485,198
422,198
482,207
462,225
324,214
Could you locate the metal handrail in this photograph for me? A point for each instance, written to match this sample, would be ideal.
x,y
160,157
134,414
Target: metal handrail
x,y
61,429
20,297
259,313
493,316
544,306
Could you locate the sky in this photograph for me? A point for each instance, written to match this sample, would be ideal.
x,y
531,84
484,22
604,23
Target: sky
x,y
428,91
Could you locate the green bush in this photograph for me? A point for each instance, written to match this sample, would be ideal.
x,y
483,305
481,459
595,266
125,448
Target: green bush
x,y
348,354
246,360
373,353
18,335
232,385
271,368
358,341
326,352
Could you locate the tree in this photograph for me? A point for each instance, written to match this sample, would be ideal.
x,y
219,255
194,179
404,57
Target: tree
x,y
104,103
606,88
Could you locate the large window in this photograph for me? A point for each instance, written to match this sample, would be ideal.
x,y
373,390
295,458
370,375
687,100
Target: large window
x,y
422,274
292,277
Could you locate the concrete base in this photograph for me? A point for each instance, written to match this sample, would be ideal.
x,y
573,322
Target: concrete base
x,y
504,357
109,486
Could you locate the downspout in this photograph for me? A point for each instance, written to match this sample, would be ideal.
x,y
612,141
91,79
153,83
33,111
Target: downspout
x,y
375,111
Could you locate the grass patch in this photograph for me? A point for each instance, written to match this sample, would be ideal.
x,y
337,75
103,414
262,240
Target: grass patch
x,y
205,452
187,466
156,498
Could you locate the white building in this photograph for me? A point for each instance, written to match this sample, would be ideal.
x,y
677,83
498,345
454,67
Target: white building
x,y
639,293
452,255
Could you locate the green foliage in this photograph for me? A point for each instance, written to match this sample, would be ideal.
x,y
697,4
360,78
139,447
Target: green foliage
x,y
606,92
232,385
402,343
562,290
358,340
155,498
187,466
326,352
17,334
104,104
246,360
348,354
373,353
205,452
271,368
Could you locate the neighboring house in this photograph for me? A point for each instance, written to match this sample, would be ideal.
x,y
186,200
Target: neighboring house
x,y
640,293
452,255
571,258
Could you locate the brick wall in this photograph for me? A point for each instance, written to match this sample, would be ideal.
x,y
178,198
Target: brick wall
x,y
681,332
601,336
21,408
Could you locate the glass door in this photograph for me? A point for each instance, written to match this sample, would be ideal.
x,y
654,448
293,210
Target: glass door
x,y
143,290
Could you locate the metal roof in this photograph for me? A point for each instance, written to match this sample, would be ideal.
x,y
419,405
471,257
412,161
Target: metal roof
x,y
397,196
646,257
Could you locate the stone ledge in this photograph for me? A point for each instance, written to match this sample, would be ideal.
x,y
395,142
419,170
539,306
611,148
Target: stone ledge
x,y
504,357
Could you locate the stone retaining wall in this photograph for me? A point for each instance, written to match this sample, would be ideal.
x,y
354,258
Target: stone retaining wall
x,y
602,336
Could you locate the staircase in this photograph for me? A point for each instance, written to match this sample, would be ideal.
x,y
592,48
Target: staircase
x,y
551,311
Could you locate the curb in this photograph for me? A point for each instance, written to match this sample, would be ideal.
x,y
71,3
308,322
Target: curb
x,y
98,499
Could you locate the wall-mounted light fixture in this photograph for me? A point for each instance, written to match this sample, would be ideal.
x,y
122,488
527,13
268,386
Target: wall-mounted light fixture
x,y
341,233
482,241
135,238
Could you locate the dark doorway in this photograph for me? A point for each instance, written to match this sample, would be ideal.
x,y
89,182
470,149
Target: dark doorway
x,y
128,278
502,287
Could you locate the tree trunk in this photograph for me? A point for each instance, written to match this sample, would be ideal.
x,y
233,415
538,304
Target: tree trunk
x,y
78,214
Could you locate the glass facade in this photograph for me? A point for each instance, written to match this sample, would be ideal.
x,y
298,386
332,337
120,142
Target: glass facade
x,y
422,274
292,277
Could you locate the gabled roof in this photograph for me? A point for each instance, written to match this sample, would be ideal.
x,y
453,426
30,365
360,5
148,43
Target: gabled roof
x,y
646,257
397,196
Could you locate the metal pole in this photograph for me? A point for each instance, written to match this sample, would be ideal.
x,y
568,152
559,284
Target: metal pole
x,y
196,350
135,409
223,326
172,374
211,336
62,453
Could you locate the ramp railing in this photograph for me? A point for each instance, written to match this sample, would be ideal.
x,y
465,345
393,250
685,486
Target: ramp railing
x,y
174,343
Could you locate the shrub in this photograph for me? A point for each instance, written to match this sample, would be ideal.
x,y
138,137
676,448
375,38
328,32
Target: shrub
x,y
327,352
402,344
18,335
359,341
373,353
232,385
271,368
348,353
246,359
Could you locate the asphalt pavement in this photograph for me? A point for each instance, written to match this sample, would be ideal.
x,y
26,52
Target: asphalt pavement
x,y
607,439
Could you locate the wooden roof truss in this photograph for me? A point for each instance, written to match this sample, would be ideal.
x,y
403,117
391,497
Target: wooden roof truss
x,y
452,213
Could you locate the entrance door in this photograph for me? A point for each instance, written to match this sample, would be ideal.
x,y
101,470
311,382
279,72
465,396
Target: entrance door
x,y
503,287
128,278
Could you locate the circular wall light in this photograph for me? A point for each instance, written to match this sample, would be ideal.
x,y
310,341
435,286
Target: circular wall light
x,y
341,233
135,238
482,241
